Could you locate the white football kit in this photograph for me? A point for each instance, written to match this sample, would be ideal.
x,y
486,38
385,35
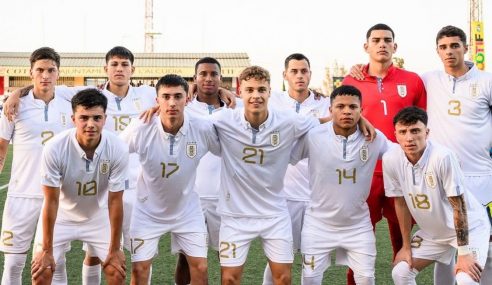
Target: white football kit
x,y
207,182
84,183
166,201
254,162
460,117
337,217
426,187
296,181
36,123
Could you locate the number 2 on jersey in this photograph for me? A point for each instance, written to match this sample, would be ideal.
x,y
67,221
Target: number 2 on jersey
x,y
46,136
253,155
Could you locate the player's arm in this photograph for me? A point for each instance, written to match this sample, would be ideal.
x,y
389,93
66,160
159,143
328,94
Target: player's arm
x,y
465,262
11,105
4,146
367,129
115,257
405,221
356,71
228,97
44,259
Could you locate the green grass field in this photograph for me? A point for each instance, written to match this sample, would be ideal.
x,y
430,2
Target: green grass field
x,y
163,267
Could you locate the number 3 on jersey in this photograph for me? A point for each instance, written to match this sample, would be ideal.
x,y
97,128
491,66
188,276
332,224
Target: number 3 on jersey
x,y
454,107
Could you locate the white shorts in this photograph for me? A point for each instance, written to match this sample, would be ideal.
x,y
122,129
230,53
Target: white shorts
x,y
20,217
444,251
236,235
354,247
188,235
129,197
212,220
297,209
96,233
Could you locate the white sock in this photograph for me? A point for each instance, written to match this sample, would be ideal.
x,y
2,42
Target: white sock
x,y
91,274
60,274
444,273
267,275
12,268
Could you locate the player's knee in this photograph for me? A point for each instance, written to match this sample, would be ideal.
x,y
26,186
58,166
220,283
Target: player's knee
x,y
229,278
312,280
201,268
402,273
140,269
463,278
363,280
282,278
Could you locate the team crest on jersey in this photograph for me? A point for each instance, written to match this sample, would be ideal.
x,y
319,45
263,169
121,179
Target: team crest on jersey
x,y
430,179
275,138
138,104
315,113
191,149
104,166
474,90
63,119
364,153
402,90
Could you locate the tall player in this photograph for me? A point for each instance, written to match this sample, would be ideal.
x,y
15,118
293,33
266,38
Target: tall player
x,y
428,184
170,148
460,117
298,98
84,173
256,144
387,89
42,116
205,103
342,223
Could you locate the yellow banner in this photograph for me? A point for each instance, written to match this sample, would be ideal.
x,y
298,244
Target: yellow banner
x,y
477,47
99,71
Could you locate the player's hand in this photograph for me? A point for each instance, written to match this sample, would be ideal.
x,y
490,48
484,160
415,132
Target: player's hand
x,y
41,262
11,105
227,97
191,92
404,254
356,71
147,115
367,129
117,260
467,264
317,95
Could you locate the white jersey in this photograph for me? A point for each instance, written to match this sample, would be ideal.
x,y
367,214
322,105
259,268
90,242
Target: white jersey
x,y
121,111
36,123
296,181
208,172
84,182
426,187
340,174
169,162
460,116
254,161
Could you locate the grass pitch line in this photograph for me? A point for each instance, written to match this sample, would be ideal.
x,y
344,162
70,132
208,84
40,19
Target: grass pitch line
x,y
4,187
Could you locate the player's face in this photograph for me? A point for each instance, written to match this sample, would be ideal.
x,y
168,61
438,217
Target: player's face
x,y
452,51
380,46
208,79
412,139
172,101
89,123
44,75
119,71
255,95
298,75
345,111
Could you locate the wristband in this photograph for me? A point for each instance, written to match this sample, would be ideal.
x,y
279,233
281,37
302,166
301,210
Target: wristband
x,y
464,250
